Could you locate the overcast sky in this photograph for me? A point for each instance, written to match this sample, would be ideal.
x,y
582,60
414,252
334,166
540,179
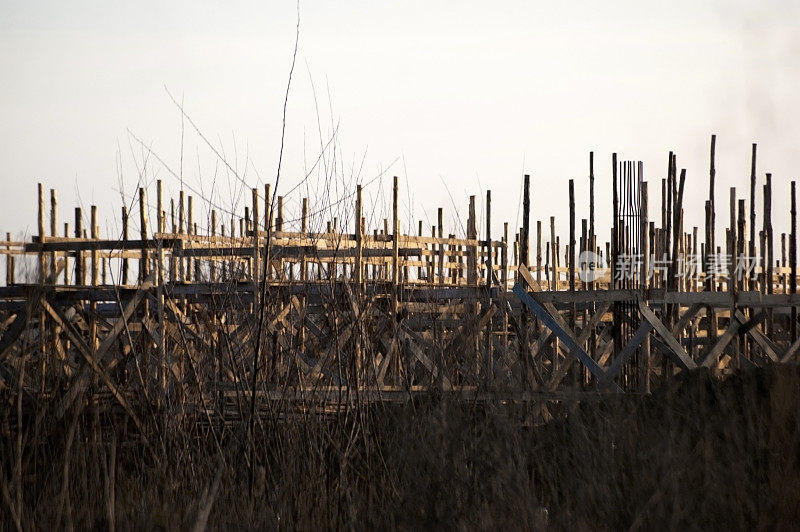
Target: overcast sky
x,y
453,98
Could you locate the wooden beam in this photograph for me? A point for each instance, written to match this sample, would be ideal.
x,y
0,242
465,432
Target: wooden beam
x,y
675,348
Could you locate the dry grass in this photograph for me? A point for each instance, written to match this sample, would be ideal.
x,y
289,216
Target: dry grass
x,y
697,454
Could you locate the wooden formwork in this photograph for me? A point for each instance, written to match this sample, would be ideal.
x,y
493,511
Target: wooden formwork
x,y
200,322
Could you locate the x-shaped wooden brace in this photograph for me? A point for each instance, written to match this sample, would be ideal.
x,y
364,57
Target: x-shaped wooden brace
x,y
551,319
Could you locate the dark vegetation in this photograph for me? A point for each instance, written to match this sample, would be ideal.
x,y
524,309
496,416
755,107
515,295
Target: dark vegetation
x,y
698,453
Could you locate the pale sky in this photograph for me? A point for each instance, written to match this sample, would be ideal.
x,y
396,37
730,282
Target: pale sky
x,y
454,98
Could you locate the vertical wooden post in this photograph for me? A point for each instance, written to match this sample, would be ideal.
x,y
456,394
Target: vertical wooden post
x,y
432,258
711,254
677,231
144,267
553,254
421,258
591,202
783,278
181,231
395,240
572,241
793,259
125,237
232,265
524,260
504,285
504,258
358,280
489,250
741,249
267,207
769,280
752,242
190,232
53,232
489,362
42,236
440,228
93,340
279,220
670,227
256,250
160,214
212,266
80,266
582,247
612,259
161,228
733,254
66,257
539,252
526,212
359,237
161,223
181,212
472,250
571,264
95,253
9,262
762,276
732,250
173,264
224,277
42,279
712,172
304,229
304,216
644,358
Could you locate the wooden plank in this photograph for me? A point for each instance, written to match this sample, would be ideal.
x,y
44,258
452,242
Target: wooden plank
x,y
13,332
623,356
675,348
85,351
722,342
80,381
560,331
404,335
791,352
763,342
686,318
556,379
469,330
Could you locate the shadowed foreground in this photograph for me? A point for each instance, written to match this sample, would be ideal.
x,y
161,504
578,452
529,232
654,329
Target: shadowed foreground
x,y
695,454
